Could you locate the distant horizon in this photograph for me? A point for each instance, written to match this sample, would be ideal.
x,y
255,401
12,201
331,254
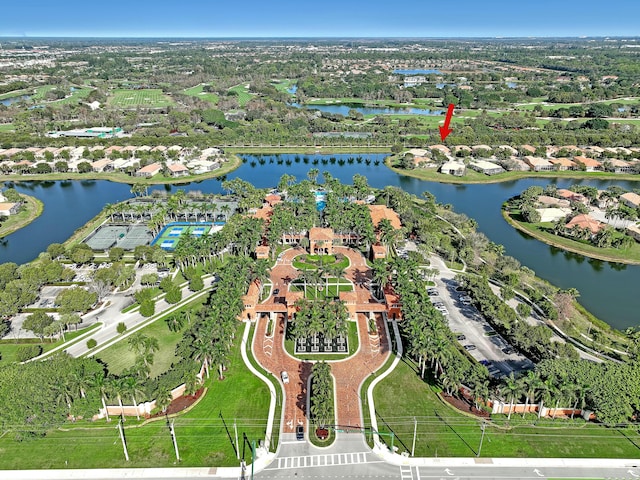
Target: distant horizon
x,y
321,37
328,19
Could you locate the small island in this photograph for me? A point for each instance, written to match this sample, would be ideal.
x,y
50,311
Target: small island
x,y
17,210
601,224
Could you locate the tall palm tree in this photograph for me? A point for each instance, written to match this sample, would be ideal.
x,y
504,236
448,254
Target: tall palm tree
x,y
513,390
103,385
133,387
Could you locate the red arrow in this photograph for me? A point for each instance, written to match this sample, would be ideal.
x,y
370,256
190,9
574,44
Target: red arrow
x,y
445,130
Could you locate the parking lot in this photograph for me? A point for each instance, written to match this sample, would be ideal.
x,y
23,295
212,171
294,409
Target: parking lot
x,y
474,333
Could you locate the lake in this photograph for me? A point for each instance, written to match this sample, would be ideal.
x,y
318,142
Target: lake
x,y
417,71
11,100
604,287
343,109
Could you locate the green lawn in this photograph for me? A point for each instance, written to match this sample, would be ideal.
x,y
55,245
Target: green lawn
x,y
76,96
445,432
15,93
312,262
283,85
6,127
150,98
332,291
200,433
198,91
242,91
9,348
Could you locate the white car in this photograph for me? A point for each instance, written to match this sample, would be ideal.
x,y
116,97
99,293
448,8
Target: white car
x,y
285,377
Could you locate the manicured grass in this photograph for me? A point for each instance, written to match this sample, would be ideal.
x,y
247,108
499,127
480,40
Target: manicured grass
x,y
283,85
313,262
242,92
76,96
119,356
30,210
200,433
352,340
445,432
150,98
198,92
16,93
9,348
541,232
41,91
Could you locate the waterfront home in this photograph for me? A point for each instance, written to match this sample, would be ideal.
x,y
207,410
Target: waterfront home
x,y
634,231
619,166
442,149
585,222
380,212
588,164
631,200
547,201
548,215
150,170
457,169
8,208
539,164
488,168
178,170
561,164
572,196
102,165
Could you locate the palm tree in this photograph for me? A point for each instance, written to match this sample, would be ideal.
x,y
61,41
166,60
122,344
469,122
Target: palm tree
x,y
103,385
480,392
530,384
163,398
512,387
132,387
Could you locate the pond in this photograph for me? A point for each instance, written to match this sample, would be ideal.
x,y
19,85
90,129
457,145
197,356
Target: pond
x,y
11,100
343,109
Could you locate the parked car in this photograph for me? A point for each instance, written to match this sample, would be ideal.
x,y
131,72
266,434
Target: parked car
x,y
300,432
285,377
461,337
508,350
470,347
276,291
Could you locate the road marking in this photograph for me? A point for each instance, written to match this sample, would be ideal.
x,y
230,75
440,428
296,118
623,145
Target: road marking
x,y
448,472
537,472
632,473
326,460
405,472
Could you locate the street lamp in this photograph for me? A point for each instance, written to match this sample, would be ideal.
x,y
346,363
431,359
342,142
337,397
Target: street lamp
x,y
483,425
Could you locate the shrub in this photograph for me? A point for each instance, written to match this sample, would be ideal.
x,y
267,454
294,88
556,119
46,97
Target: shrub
x,y
147,308
27,352
196,284
92,343
121,328
174,295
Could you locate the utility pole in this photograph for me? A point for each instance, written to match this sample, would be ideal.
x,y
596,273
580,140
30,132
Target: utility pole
x,y
124,443
172,430
482,427
235,429
415,430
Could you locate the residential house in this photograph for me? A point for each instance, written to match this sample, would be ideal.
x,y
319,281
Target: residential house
x,y
457,169
150,170
589,164
631,200
634,231
380,212
619,166
442,149
528,148
587,222
103,165
572,196
548,215
548,201
488,168
539,164
561,164
8,208
178,170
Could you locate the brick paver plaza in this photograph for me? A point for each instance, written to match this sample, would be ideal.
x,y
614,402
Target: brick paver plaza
x,y
349,374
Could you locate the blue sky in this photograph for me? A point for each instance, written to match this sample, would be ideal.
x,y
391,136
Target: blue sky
x,y
330,18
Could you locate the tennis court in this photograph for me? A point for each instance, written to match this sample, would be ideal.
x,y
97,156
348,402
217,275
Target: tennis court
x,y
127,237
170,235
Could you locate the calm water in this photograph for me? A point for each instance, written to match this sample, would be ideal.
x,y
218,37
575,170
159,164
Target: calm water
x,y
344,110
416,72
605,288
8,101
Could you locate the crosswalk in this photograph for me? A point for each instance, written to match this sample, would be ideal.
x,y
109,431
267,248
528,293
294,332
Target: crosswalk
x,y
406,473
326,460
